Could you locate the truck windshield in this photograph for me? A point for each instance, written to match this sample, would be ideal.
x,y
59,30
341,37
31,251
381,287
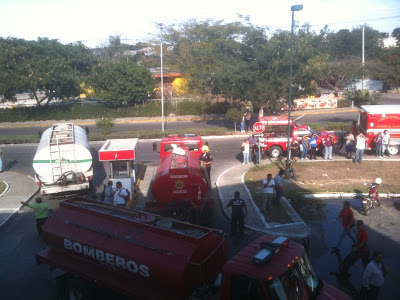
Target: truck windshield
x,y
299,282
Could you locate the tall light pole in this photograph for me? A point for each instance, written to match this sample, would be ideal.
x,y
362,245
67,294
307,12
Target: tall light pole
x,y
160,25
293,9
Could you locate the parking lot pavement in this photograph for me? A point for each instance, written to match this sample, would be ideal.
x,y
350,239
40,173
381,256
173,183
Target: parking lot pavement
x,y
383,227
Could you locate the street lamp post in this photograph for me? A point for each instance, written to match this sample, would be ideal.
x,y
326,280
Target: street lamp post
x,y
293,9
162,78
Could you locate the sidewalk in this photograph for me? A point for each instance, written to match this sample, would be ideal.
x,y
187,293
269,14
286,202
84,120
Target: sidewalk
x,y
21,187
232,180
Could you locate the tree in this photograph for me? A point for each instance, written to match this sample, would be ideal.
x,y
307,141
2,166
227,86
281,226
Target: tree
x,y
123,82
396,35
46,68
234,114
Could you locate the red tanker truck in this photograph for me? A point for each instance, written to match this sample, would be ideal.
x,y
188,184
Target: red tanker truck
x,y
107,252
179,187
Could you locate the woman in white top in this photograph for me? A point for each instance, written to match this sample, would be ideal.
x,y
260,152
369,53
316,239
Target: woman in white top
x,y
246,151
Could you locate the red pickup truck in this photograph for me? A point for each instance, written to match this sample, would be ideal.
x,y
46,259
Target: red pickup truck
x,y
276,138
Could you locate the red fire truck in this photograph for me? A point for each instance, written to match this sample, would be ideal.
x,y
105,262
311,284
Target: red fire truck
x,y
276,138
179,188
105,251
377,118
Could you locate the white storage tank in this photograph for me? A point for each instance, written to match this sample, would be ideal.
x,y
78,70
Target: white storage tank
x,y
63,152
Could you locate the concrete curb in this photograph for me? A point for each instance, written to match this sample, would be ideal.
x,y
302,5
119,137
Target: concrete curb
x,y
16,210
6,189
347,195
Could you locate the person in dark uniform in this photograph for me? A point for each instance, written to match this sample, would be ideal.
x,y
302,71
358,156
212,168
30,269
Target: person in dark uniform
x,y
239,212
207,160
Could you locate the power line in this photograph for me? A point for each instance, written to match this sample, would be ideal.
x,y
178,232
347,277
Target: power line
x,y
349,22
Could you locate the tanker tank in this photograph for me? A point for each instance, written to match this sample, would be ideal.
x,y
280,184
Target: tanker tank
x,y
63,158
138,254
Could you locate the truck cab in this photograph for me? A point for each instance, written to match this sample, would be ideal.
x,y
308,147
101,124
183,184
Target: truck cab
x,y
274,268
377,118
276,130
190,141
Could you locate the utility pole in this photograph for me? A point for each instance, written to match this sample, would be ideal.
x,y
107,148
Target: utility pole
x,y
363,45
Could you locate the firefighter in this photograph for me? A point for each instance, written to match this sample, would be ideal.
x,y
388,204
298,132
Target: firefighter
x,y
206,159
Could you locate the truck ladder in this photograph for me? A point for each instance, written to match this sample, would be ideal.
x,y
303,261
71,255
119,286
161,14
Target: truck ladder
x,y
60,137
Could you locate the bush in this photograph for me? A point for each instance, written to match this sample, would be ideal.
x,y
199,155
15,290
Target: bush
x,y
105,125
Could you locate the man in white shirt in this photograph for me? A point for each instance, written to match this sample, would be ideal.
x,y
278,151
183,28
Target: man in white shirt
x,y
120,195
385,142
360,147
373,277
269,184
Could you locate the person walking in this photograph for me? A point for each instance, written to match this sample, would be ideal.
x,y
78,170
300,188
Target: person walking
x,y
245,151
306,146
327,142
360,249
269,185
207,159
385,143
247,117
360,147
41,210
349,144
373,278
1,160
313,146
379,145
239,212
278,186
348,223
109,193
121,196
243,124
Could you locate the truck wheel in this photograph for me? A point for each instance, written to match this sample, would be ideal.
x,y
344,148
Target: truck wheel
x,y
275,151
70,288
393,150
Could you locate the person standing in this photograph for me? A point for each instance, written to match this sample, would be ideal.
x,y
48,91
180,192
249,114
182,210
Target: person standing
x,y
354,128
328,147
373,278
360,147
1,160
243,124
294,150
360,249
348,222
306,146
279,186
349,141
247,117
385,143
246,151
253,142
41,210
379,146
269,185
313,146
239,212
121,196
109,193
207,159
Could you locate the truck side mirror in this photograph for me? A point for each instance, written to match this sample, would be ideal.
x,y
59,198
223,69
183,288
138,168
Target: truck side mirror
x,y
155,146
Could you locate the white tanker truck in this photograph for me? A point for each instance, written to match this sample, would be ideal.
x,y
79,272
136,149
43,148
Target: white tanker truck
x,y
63,161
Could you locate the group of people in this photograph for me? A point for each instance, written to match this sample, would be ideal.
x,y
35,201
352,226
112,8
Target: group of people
x,y
307,147
118,196
373,277
357,142
253,149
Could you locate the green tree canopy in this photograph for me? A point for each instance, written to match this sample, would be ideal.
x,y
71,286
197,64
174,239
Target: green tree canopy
x,y
46,68
123,82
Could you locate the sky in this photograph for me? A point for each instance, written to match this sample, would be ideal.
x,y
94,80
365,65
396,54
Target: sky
x,y
93,21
